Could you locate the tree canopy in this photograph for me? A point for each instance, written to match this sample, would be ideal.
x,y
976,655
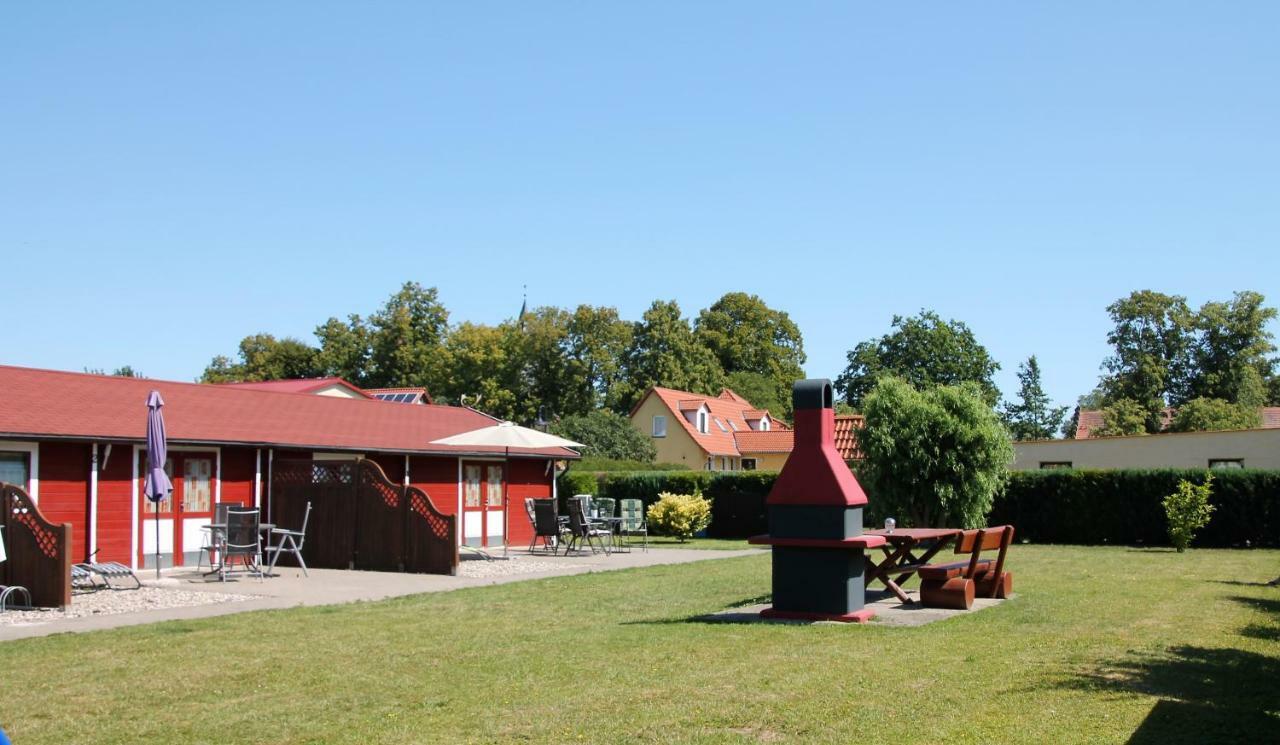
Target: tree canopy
x,y
923,350
1166,355
933,457
664,351
607,435
747,336
549,363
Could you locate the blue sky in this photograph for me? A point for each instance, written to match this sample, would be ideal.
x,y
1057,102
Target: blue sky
x,y
196,174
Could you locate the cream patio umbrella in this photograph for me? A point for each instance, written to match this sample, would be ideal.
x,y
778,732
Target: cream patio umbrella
x,y
507,435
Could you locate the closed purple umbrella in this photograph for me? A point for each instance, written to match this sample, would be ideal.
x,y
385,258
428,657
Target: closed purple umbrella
x,y
157,484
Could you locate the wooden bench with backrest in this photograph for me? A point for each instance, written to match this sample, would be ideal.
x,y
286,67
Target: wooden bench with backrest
x,y
955,584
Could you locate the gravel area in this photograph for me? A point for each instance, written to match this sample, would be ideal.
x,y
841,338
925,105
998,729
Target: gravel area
x,y
110,602
505,567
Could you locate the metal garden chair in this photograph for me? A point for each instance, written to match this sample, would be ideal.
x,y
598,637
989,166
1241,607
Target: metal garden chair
x,y
581,529
290,541
546,525
242,540
633,522
213,534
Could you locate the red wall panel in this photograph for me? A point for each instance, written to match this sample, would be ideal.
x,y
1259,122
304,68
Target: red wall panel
x,y
525,478
64,490
237,475
115,504
438,477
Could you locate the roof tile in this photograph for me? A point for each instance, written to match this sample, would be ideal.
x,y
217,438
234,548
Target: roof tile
x,y
48,403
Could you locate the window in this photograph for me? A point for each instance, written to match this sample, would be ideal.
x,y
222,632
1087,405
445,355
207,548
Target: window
x,y
734,425
702,421
764,424
748,464
15,469
1213,463
1046,464
659,426
711,462
720,424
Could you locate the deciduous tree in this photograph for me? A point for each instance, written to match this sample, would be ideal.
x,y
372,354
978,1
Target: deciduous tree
x,y
607,435
925,351
746,335
664,352
1151,364
406,337
933,457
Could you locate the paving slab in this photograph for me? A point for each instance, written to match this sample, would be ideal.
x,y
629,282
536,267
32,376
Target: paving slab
x,y
889,612
289,588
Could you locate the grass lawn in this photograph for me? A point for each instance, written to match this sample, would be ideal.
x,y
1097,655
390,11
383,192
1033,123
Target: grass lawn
x,y
713,544
1100,645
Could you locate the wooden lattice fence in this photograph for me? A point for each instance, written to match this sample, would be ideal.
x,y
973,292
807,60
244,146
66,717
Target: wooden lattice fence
x,y
39,551
360,519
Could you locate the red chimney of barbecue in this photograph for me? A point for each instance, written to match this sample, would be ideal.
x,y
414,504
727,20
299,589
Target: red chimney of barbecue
x,y
814,473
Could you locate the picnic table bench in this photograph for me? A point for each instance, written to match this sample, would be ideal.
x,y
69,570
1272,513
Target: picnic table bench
x,y
945,584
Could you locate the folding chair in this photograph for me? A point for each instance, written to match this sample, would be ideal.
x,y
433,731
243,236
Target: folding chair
x,y
243,541
292,542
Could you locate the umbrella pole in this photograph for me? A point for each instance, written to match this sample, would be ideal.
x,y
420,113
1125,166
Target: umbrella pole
x,y
506,499
157,504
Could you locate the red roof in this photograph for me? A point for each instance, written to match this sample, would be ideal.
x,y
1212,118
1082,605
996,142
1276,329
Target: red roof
x,y
779,441
725,410
847,426
729,394
298,385
54,404
1090,420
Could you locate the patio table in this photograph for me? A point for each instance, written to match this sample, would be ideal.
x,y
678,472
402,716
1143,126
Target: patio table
x,y
218,530
900,558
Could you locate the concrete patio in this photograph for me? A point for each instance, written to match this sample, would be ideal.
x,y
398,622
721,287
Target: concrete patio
x,y
289,588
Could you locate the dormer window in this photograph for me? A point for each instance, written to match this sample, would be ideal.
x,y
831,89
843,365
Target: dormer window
x,y
702,420
764,423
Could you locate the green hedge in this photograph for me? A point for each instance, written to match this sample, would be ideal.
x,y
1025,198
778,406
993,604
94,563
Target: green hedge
x,y
737,497
1057,506
1123,507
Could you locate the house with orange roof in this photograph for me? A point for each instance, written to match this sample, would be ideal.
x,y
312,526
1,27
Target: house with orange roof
x,y
725,432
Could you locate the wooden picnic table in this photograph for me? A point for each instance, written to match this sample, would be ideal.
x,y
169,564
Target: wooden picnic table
x,y
900,558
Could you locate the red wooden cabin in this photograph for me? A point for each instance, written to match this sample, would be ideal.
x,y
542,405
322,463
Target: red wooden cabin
x,y
75,442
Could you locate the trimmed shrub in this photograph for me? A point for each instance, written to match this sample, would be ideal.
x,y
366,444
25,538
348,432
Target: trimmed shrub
x,y
589,463
680,515
1188,510
737,503
1126,506
577,482
1059,506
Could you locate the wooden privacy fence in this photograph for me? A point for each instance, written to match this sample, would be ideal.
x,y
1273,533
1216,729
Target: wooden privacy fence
x,y
360,519
39,552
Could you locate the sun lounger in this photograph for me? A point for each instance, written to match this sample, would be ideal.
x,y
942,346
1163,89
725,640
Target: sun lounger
x,y
97,575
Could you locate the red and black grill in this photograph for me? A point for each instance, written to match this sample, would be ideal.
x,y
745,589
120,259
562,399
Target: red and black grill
x,y
815,520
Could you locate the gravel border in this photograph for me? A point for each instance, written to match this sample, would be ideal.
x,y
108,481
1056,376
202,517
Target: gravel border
x,y
111,602
480,569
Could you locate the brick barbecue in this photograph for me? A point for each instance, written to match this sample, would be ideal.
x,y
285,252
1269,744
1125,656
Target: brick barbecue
x,y
815,521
